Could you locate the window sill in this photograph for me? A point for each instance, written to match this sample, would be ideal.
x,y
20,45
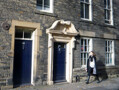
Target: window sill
x,y
83,66
43,12
93,22
86,21
109,25
110,65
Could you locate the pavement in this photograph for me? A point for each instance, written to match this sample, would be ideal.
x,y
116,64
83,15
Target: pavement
x,y
108,84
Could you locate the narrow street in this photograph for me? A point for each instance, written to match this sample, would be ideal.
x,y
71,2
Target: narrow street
x,y
109,84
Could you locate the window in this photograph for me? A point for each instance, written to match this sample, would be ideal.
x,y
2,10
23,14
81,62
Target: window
x,y
108,12
23,33
45,5
86,9
109,48
86,47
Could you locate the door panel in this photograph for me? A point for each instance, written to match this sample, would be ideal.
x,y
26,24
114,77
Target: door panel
x,y
59,62
22,62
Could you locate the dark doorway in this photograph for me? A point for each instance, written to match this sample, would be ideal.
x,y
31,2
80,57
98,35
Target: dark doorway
x,y
59,69
22,62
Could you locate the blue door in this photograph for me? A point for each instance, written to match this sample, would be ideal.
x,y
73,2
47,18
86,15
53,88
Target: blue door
x,y
22,62
59,70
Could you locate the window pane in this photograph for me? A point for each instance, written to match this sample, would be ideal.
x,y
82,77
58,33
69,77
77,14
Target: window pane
x,y
82,10
82,0
87,55
108,43
108,14
84,58
18,33
105,14
88,45
28,33
106,21
46,3
81,41
86,42
84,61
106,46
106,49
108,4
81,61
82,48
108,58
86,11
81,55
111,59
110,46
105,3
85,48
39,2
86,0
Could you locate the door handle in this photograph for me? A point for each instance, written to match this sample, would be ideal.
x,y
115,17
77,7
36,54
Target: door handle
x,y
23,43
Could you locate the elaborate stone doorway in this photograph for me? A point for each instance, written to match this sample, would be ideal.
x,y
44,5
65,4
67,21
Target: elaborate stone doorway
x,y
63,32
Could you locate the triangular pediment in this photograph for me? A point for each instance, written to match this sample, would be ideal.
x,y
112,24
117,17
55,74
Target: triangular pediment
x,y
62,27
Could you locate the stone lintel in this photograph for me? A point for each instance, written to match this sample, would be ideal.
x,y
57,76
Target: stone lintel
x,y
86,33
110,36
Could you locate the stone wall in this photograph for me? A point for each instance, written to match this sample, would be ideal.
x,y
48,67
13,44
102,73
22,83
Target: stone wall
x,y
25,10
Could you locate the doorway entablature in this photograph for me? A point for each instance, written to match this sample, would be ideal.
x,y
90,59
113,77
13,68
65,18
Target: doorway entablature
x,y
61,31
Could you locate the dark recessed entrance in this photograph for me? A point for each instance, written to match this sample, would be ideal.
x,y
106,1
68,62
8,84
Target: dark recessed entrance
x,y
59,69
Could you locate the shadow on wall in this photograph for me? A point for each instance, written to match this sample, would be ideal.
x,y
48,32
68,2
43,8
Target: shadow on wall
x,y
102,70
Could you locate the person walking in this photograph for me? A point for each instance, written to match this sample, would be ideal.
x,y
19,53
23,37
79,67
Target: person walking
x,y
92,67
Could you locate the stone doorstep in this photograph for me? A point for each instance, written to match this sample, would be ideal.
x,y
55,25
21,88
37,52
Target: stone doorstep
x,y
11,87
24,86
6,87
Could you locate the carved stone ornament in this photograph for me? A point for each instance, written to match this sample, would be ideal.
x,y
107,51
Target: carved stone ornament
x,y
62,27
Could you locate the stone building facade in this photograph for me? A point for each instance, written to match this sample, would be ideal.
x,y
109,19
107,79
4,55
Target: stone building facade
x,y
28,25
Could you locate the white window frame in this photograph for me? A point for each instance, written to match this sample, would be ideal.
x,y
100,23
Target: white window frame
x,y
50,7
90,47
90,10
23,33
111,13
112,53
